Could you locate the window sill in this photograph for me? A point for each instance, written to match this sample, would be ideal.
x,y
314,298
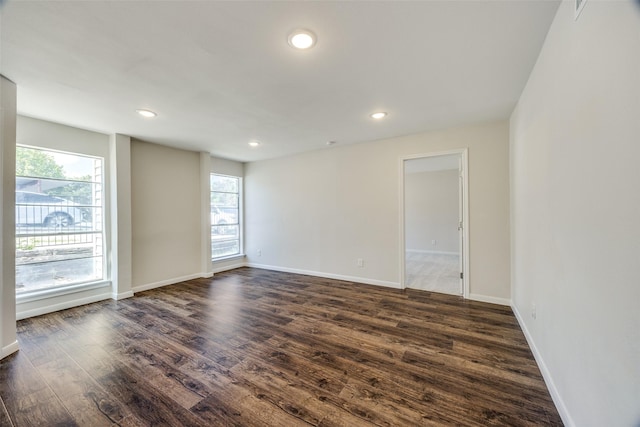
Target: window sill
x,y
50,293
228,258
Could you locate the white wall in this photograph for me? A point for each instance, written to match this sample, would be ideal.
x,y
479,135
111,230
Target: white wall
x,y
431,211
321,211
165,215
55,136
8,342
227,167
575,205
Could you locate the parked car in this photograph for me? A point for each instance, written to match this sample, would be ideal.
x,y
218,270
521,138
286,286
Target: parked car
x,y
221,218
46,210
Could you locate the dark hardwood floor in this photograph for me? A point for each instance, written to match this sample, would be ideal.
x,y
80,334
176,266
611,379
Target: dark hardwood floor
x,y
259,348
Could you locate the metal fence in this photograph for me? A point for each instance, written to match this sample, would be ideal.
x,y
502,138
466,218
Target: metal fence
x,y
59,232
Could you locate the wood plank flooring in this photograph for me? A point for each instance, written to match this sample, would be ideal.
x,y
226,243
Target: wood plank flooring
x,y
253,347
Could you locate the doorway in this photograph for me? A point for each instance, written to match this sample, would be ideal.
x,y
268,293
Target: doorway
x,y
434,215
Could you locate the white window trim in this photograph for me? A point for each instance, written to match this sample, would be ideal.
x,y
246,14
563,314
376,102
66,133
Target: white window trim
x,y
58,291
241,253
228,258
53,292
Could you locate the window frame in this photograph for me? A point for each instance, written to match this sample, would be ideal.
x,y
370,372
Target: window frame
x,y
83,285
240,222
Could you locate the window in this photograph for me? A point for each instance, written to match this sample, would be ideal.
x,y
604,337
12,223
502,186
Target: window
x,y
226,213
59,215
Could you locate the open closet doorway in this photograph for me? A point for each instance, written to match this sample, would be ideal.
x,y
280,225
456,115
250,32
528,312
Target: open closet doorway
x,y
434,254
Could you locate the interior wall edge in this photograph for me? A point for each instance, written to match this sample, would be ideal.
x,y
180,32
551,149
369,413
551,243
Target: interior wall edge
x,y
9,349
228,267
8,137
121,295
172,281
489,299
363,280
38,311
546,374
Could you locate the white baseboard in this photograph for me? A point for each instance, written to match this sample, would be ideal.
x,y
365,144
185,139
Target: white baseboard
x,y
45,294
9,349
355,279
121,295
61,306
227,267
173,281
424,251
553,390
491,300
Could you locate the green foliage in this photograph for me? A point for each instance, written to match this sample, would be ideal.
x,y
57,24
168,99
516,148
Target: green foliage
x,y
223,189
227,184
37,163
78,192
26,244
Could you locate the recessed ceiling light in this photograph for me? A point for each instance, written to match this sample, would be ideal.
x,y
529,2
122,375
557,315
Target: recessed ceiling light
x,y
254,144
378,116
146,113
331,142
302,39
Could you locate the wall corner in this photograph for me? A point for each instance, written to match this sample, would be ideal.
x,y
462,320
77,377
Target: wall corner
x,y
120,218
8,335
205,215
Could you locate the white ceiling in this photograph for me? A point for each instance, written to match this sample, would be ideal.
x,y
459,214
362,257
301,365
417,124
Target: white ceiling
x,y
221,73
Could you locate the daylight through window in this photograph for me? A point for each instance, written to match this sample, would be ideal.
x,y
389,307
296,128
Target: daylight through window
x,y
59,220
225,216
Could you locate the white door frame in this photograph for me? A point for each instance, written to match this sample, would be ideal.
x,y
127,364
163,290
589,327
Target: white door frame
x,y
464,154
